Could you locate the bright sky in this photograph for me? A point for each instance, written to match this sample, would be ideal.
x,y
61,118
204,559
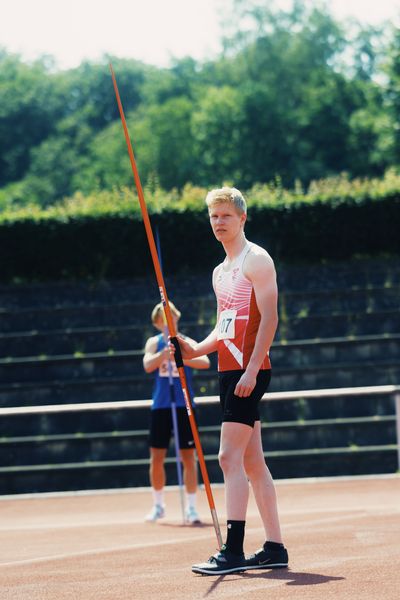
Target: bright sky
x,y
153,31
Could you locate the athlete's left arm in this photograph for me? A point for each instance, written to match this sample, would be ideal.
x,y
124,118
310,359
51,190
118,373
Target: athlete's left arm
x,y
260,270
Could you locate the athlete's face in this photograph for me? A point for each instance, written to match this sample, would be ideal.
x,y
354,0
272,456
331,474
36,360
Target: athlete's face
x,y
225,221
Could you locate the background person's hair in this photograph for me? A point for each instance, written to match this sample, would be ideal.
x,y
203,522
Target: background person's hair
x,y
158,310
227,194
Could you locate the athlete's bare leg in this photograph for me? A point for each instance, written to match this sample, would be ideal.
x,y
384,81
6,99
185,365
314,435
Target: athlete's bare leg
x,y
157,470
189,470
263,485
234,441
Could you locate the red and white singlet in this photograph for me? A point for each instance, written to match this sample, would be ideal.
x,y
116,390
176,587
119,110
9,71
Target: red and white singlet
x,y
239,316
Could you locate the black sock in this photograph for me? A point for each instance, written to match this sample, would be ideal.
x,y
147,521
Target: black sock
x,y
272,546
235,536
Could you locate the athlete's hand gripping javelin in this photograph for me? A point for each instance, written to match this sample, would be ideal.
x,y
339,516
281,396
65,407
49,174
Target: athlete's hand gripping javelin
x,y
190,350
187,348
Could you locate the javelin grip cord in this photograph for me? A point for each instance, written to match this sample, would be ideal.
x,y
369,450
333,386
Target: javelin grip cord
x,y
178,353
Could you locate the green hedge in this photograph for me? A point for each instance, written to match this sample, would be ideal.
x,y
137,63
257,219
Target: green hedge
x,y
103,236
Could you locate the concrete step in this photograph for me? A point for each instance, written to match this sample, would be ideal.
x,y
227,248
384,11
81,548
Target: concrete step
x,y
72,341
53,317
328,301
77,447
77,423
327,462
133,444
69,367
351,432
86,340
134,472
43,296
359,273
349,374
89,389
346,275
97,380
89,340
137,310
303,409
335,350
88,448
294,354
341,324
295,410
90,316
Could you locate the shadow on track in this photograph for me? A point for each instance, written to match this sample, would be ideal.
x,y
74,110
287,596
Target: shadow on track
x,y
186,525
293,578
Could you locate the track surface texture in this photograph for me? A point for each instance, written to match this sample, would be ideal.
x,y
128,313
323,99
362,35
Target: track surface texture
x,y
343,537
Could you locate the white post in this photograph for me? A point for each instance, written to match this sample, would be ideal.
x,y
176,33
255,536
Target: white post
x,y
397,403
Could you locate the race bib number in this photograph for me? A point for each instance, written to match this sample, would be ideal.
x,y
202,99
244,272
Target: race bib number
x,y
165,368
226,325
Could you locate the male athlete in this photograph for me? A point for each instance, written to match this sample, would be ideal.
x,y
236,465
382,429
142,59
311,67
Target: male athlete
x,y
246,292
156,356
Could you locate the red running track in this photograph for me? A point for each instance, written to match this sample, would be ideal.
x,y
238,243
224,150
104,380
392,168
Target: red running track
x,y
343,537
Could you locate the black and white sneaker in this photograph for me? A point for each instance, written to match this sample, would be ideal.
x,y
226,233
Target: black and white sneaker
x,y
268,558
221,563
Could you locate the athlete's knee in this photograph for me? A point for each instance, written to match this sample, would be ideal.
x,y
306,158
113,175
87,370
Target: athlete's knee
x,y
227,460
188,458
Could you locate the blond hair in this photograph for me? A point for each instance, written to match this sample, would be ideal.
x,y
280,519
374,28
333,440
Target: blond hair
x,y
158,311
230,195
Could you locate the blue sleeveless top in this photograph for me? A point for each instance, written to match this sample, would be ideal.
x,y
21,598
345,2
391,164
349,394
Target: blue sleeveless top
x,y
162,388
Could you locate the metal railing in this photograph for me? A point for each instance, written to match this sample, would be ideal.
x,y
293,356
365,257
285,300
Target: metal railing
x,y
382,390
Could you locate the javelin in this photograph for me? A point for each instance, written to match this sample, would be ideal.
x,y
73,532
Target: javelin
x,y
168,315
172,399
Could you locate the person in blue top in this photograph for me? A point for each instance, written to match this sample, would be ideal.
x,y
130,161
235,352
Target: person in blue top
x,y
157,359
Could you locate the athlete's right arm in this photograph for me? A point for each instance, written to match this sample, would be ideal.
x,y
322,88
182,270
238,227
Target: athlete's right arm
x,y
191,349
153,359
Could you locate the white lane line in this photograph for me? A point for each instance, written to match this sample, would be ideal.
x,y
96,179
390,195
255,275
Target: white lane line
x,y
377,509
97,551
172,488
178,540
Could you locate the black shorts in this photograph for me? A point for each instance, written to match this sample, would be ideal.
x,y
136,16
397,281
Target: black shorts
x,y
162,428
241,410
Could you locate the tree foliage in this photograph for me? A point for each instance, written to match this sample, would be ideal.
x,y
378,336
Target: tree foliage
x,y
295,95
